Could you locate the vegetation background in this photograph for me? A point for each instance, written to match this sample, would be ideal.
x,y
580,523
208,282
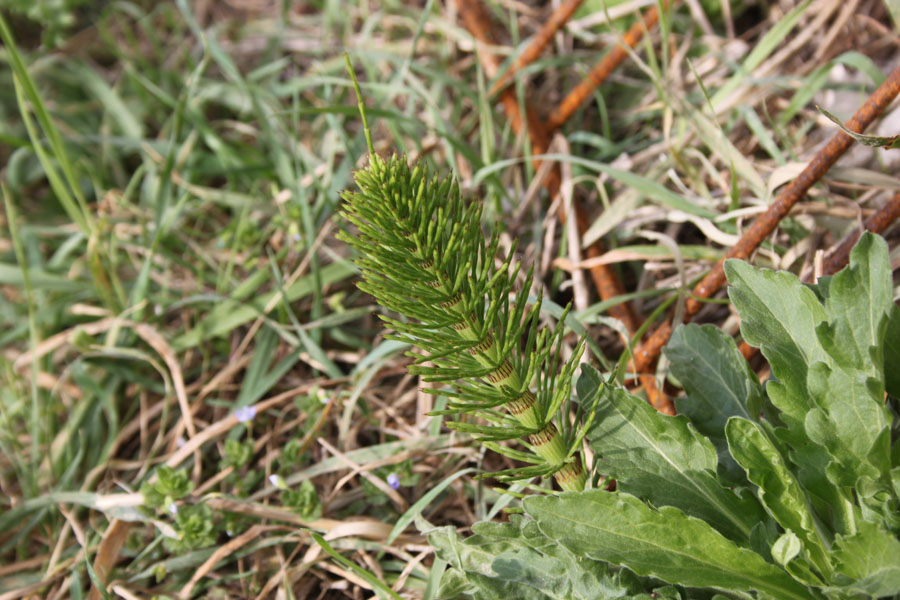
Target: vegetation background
x,y
172,293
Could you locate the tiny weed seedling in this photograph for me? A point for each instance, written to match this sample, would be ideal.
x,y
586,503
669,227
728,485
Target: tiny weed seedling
x,y
423,256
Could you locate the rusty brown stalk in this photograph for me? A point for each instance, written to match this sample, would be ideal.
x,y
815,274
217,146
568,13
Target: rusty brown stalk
x,y
556,21
840,254
763,226
603,69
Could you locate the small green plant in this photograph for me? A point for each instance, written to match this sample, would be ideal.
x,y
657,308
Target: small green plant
x,y
784,491
304,500
293,455
194,523
170,485
236,453
195,527
423,255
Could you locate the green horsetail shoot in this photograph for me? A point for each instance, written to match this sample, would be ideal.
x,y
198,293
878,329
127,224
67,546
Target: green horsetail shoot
x,y
423,256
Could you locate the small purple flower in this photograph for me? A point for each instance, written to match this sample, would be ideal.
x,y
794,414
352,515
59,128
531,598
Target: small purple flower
x,y
393,481
245,414
278,481
173,508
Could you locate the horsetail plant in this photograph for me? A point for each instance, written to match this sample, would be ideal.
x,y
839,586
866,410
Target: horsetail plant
x,y
423,255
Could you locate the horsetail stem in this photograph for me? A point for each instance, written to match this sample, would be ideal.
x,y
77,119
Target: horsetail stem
x,y
424,256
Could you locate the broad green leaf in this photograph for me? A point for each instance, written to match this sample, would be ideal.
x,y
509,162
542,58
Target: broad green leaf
x,y
779,490
515,560
718,382
763,536
849,421
858,305
830,384
454,584
716,377
554,571
667,544
662,459
779,316
785,550
850,418
868,562
811,462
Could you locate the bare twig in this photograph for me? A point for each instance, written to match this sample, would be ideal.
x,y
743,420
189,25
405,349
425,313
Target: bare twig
x,y
603,69
556,21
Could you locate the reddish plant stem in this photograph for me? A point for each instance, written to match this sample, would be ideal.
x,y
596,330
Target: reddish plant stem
x,y
647,354
840,254
557,20
477,21
603,69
